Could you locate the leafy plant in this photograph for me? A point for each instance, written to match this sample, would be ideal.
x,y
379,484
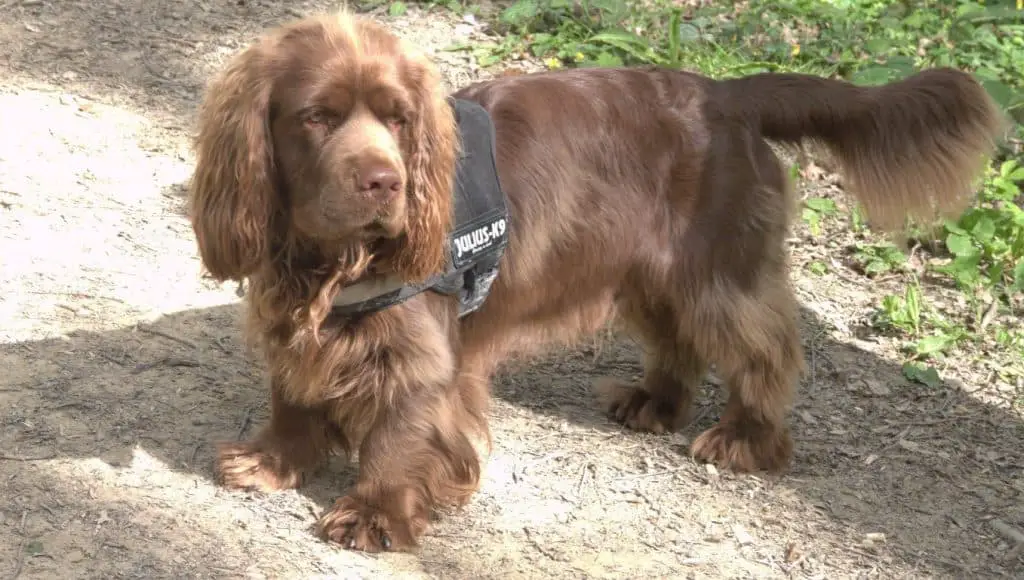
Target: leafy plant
x,y
397,9
817,268
987,243
877,259
815,209
902,312
563,32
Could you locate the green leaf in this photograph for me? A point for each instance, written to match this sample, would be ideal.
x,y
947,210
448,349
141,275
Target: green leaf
x,y
984,230
930,345
488,59
688,33
1018,275
875,267
1001,94
872,76
606,59
520,13
878,46
817,268
396,9
457,46
627,42
821,205
954,228
1010,170
925,375
34,548
812,219
960,245
901,66
913,301
620,38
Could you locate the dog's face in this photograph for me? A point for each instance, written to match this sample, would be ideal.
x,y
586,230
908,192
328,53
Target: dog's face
x,y
329,131
340,127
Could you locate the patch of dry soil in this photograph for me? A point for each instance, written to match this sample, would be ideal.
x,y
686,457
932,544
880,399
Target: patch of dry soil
x,y
120,367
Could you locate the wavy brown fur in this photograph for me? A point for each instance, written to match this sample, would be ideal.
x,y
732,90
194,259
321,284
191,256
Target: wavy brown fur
x,y
910,148
381,385
646,193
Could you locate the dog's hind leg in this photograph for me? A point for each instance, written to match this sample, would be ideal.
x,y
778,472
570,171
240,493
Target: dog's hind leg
x,y
673,368
755,344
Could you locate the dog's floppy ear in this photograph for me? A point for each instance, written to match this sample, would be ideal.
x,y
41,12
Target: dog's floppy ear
x,y
430,164
232,196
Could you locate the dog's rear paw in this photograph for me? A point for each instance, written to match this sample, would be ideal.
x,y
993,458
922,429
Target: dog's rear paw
x,y
743,448
635,408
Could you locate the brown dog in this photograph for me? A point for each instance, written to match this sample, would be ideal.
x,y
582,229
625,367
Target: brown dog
x,y
326,154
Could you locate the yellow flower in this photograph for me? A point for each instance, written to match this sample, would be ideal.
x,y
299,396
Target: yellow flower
x,y
795,50
579,55
553,62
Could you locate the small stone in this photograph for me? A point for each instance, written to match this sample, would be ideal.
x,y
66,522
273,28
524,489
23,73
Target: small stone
x,y
875,536
742,536
877,387
74,556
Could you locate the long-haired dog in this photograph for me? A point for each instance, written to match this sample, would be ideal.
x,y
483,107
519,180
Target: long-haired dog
x,y
326,153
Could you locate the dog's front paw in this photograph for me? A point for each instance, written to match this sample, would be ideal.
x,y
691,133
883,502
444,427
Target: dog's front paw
x,y
254,465
356,525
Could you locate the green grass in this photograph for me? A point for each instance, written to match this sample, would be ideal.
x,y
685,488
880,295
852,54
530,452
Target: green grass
x,y
868,42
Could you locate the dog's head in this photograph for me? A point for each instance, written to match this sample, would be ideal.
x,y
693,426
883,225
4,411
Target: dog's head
x,y
330,131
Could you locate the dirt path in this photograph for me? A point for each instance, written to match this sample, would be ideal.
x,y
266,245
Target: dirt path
x,y
120,367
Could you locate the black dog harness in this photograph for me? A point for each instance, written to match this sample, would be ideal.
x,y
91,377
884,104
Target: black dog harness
x,y
477,241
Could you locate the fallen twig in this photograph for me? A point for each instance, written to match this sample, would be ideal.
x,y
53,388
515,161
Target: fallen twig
x,y
21,548
109,358
989,315
195,451
156,332
536,544
652,474
246,420
166,361
22,458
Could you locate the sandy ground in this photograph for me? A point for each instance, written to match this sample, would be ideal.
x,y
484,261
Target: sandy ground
x,y
121,367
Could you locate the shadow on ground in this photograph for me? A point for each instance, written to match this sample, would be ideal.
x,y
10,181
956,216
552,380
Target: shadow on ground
x,y
155,56
890,458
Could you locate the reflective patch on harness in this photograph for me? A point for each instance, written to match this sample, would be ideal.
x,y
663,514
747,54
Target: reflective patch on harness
x,y
476,238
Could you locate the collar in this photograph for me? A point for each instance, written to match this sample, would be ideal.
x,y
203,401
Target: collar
x,y
477,240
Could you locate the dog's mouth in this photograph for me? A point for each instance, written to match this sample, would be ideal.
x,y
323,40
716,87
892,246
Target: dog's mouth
x,y
383,225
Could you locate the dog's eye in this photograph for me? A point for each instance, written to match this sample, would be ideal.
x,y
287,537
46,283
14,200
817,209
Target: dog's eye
x,y
395,122
316,120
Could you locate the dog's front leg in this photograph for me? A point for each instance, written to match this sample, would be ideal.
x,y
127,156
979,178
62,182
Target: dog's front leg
x,y
295,441
417,456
